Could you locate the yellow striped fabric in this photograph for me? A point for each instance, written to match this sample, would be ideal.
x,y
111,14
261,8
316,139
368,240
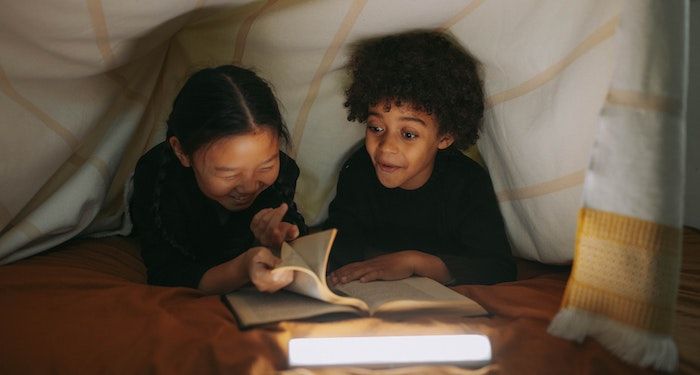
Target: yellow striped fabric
x,y
644,101
547,187
626,269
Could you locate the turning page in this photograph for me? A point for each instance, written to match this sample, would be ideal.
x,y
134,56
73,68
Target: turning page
x,y
308,257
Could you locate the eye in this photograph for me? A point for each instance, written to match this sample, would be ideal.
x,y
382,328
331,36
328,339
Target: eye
x,y
267,167
409,135
230,178
374,128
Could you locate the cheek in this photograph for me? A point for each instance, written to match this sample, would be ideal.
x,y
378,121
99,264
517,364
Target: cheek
x,y
370,142
218,187
421,156
269,178
263,180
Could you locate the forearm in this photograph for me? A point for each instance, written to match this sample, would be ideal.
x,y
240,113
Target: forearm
x,y
227,276
431,266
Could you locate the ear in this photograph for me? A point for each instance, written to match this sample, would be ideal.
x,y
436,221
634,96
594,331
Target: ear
x,y
177,148
446,141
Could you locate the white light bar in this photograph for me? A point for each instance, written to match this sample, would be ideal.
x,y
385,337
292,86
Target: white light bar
x,y
387,351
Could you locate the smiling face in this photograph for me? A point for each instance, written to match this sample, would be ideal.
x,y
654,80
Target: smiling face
x,y
403,143
235,169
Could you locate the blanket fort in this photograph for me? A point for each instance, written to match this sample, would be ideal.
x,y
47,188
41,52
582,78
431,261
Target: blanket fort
x,y
584,126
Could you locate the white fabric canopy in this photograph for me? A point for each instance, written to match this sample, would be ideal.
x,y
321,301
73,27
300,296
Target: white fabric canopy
x,y
585,103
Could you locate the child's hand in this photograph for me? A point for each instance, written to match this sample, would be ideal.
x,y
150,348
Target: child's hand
x,y
393,266
270,230
261,264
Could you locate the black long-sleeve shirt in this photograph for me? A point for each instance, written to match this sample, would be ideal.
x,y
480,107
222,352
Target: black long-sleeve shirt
x,y
454,216
200,233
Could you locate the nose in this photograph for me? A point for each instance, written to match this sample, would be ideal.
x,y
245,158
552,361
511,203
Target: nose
x,y
388,144
248,186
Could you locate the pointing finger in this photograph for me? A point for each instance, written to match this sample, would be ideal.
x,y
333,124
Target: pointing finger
x,y
277,215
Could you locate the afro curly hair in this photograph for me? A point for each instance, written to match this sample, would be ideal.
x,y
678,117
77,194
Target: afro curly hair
x,y
425,69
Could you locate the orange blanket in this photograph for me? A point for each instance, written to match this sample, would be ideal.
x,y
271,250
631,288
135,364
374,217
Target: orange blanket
x,y
84,308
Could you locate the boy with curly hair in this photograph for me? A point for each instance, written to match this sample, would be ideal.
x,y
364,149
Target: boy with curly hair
x,y
409,202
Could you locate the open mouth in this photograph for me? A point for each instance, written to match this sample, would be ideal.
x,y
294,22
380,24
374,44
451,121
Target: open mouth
x,y
242,198
387,168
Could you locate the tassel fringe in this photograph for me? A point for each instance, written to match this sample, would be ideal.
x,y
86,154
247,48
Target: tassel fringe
x,y
631,344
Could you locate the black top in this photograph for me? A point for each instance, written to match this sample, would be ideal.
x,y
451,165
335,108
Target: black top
x,y
200,232
454,216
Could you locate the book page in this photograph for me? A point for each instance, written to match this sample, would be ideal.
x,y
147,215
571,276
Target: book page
x,y
252,307
312,250
290,258
413,293
307,257
308,284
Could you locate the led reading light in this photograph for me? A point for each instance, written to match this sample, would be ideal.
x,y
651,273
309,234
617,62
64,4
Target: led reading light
x,y
386,351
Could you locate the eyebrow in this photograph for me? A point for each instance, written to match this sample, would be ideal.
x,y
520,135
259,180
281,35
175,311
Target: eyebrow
x,y
402,118
227,169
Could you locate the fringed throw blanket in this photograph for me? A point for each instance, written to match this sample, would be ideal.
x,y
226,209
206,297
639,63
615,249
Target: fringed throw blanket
x,y
625,274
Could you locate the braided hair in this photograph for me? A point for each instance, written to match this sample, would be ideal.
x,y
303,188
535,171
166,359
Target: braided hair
x,y
215,103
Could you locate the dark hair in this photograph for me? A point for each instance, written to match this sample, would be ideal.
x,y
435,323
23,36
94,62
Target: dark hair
x,y
222,101
215,103
425,69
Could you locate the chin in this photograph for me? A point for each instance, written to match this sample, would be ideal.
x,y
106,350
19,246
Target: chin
x,y
388,184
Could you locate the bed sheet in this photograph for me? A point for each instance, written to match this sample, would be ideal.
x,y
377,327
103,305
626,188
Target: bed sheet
x,y
84,307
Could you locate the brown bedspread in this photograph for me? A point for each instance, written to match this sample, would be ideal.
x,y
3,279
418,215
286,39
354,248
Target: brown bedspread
x,y
84,308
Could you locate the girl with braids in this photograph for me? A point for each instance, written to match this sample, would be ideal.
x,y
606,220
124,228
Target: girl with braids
x,y
216,196
408,202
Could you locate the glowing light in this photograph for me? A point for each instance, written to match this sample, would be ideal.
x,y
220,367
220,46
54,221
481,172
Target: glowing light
x,y
385,351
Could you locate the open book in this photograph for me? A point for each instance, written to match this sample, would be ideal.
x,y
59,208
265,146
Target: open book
x,y
309,295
